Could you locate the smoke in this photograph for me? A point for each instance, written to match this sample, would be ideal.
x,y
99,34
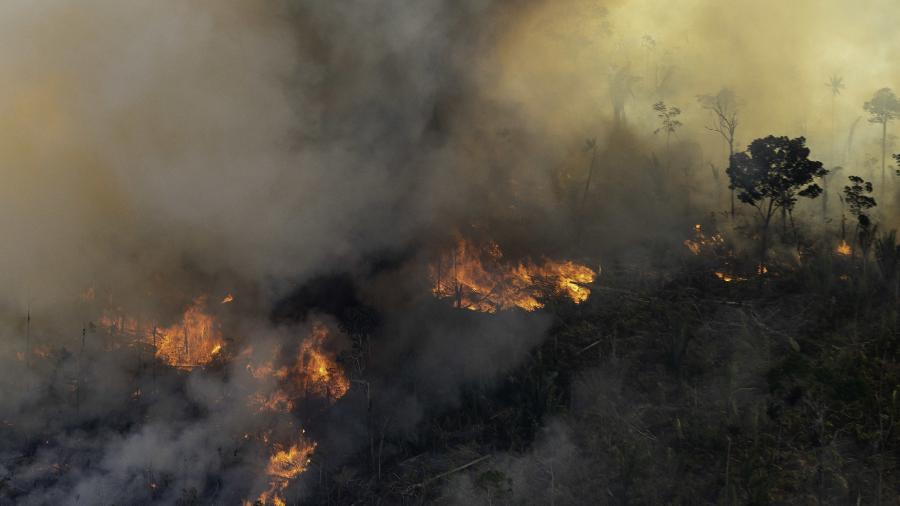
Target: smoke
x,y
165,150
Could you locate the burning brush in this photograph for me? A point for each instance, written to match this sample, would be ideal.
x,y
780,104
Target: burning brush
x,y
479,278
279,380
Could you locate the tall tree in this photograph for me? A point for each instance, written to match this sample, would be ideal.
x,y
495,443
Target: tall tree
x,y
883,108
858,196
770,175
835,84
668,119
621,86
724,108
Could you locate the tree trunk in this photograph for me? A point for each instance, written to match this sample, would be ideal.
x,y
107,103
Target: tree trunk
x,y
883,152
730,154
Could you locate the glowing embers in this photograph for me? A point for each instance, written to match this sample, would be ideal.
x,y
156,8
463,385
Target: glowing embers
x,y
843,249
479,278
701,244
310,372
193,341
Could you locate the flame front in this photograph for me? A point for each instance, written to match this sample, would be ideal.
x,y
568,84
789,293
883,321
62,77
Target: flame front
x,y
479,279
191,342
313,372
284,466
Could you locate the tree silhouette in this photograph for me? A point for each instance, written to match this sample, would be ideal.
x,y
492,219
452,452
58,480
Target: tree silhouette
x,y
621,86
883,108
771,174
858,196
835,84
724,107
668,117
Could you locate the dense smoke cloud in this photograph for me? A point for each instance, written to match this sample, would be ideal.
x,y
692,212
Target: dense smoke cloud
x,y
200,147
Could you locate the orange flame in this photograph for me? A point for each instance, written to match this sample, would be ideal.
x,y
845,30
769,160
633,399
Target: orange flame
x,y
728,278
285,465
228,298
314,372
478,279
700,242
194,341
844,249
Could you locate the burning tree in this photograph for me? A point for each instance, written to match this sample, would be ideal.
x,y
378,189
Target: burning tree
x,y
770,176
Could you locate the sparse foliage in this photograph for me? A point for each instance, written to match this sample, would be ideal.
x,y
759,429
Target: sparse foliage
x,y
724,108
883,108
668,117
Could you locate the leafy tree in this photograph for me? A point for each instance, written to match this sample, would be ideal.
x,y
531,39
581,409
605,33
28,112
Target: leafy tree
x,y
858,196
771,174
724,108
883,108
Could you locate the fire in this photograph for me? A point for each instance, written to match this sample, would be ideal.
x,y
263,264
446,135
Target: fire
x,y
191,342
844,249
285,465
288,464
277,401
700,242
479,279
228,298
317,371
313,372
728,278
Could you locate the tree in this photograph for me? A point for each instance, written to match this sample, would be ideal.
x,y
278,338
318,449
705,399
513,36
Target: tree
x,y
887,253
835,84
668,117
858,196
724,107
621,86
771,174
883,108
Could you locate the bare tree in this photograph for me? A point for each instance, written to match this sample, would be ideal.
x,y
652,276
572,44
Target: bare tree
x,y
724,108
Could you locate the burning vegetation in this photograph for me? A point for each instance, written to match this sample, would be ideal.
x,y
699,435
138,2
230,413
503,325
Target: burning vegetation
x,y
308,372
479,278
285,465
271,195
193,341
311,371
